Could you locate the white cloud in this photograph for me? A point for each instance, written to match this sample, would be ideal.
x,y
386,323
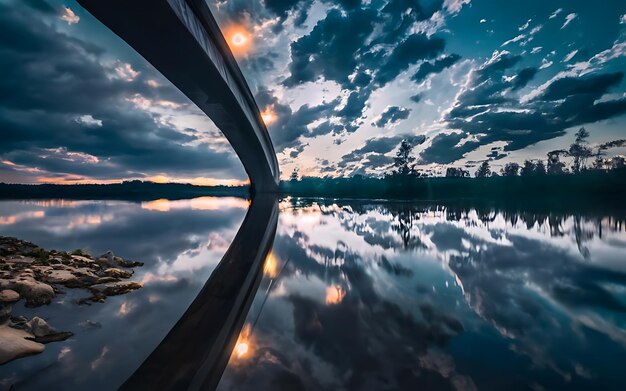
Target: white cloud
x,y
617,50
512,40
579,69
546,64
126,72
63,154
525,25
622,19
555,13
88,121
67,15
536,29
536,49
570,56
568,19
485,20
454,6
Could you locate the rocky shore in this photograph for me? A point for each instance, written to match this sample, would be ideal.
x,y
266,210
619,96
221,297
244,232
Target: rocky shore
x,y
32,274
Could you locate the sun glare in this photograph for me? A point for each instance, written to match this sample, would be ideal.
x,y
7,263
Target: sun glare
x,y
270,268
268,115
334,295
238,38
242,349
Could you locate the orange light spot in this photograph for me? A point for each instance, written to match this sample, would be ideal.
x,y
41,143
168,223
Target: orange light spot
x,y
334,295
238,38
243,347
270,268
268,115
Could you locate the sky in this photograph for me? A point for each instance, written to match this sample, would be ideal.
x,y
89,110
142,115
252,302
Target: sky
x,y
339,83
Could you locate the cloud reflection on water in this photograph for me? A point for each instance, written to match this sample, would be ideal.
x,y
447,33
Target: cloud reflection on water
x,y
354,296
407,296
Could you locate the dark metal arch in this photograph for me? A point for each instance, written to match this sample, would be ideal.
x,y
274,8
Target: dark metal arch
x,y
182,40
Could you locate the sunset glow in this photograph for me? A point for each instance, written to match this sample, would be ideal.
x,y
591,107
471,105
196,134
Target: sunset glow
x,y
270,268
334,295
243,348
268,115
238,38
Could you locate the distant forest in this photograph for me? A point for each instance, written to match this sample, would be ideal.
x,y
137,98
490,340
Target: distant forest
x,y
602,180
591,177
128,190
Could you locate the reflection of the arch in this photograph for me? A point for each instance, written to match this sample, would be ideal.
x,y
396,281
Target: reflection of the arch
x,y
196,350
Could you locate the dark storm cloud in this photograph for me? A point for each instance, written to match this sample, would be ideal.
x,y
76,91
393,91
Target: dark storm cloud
x,y
595,86
361,79
259,64
291,125
297,151
488,109
400,15
388,144
392,115
416,98
443,149
49,79
434,67
414,48
326,127
496,65
372,154
329,51
377,160
524,77
354,105
357,47
282,8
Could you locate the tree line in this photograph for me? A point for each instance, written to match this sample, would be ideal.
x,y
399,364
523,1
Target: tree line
x,y
580,151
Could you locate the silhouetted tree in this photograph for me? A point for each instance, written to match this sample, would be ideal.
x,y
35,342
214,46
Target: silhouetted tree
x,y
555,165
528,169
403,160
540,168
454,172
600,163
580,150
484,170
294,174
618,162
510,169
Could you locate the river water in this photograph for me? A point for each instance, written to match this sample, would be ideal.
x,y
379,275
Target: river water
x,y
354,295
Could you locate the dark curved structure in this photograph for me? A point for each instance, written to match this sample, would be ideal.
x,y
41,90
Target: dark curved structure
x,y
195,352
182,40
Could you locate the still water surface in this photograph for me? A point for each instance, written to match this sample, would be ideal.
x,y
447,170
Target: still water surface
x,y
368,296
